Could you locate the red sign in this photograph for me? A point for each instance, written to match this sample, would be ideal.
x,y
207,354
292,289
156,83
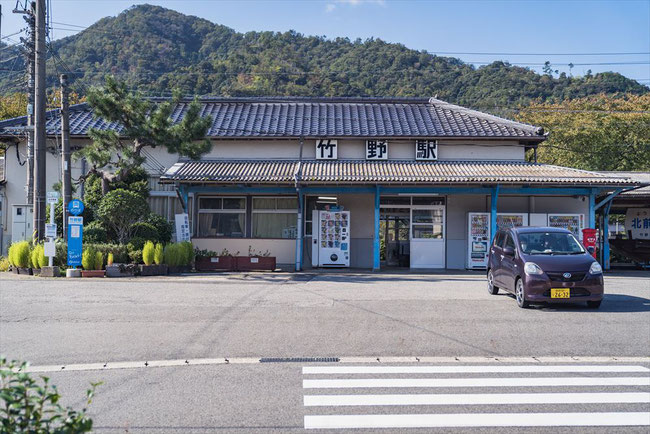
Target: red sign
x,y
589,239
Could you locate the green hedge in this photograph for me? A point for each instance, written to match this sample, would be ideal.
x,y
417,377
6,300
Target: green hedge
x,y
19,254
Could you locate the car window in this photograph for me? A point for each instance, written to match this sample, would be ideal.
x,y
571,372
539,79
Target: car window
x,y
549,243
498,240
510,242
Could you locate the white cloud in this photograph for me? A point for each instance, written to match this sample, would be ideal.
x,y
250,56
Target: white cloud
x,y
330,7
358,2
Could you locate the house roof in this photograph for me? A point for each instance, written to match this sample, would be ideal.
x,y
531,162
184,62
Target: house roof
x,y
317,117
398,171
640,177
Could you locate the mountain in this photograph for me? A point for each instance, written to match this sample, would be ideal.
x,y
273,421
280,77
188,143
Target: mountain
x,y
156,49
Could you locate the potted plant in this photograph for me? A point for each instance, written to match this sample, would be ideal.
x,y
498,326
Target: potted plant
x,y
178,257
19,257
119,269
92,261
38,259
207,260
152,256
256,261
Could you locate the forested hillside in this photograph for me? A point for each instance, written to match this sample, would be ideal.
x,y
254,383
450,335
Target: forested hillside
x,y
156,49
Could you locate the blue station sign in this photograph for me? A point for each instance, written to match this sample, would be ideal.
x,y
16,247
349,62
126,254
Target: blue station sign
x,y
75,207
75,239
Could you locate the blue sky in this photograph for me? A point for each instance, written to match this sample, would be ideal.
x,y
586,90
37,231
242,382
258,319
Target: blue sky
x,y
548,27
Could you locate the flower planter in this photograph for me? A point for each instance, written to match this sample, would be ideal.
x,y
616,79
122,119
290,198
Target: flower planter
x,y
36,271
249,263
121,270
178,269
50,272
214,263
27,271
153,270
92,273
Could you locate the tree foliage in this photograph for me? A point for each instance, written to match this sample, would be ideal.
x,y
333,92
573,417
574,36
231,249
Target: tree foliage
x,y
119,210
594,133
145,124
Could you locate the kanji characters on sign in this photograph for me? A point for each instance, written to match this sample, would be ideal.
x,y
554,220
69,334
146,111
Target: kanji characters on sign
x,y
376,150
426,150
326,149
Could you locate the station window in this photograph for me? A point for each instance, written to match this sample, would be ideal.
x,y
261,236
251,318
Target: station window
x,y
427,223
275,217
222,217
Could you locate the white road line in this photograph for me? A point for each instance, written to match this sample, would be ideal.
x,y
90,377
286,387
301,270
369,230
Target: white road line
x,y
468,369
477,399
477,420
475,382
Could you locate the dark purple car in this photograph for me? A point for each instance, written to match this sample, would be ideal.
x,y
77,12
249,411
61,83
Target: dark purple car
x,y
544,265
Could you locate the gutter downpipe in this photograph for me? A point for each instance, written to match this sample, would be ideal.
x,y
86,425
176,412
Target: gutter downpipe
x,y
299,229
493,212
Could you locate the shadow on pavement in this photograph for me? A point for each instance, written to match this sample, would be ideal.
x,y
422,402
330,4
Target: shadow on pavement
x,y
612,303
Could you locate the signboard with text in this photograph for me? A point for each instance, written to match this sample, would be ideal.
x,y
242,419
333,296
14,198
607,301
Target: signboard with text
x,y
426,150
326,149
75,240
637,223
376,150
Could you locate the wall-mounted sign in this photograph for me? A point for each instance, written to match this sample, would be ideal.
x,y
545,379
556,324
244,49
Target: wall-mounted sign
x,y
426,150
75,207
326,149
376,149
637,221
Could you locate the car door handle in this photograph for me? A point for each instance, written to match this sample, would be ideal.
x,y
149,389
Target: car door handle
x,y
502,256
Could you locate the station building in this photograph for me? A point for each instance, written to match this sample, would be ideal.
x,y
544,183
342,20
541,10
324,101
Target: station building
x,y
369,183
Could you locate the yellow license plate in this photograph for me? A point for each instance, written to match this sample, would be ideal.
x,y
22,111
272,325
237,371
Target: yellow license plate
x,y
560,292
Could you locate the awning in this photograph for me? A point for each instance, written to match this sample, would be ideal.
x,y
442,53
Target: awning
x,y
309,172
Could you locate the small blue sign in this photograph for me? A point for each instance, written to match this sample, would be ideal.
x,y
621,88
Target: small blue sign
x,y
75,207
75,239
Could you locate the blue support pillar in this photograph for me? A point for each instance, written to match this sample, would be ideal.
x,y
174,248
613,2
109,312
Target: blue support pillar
x,y
606,262
592,209
375,250
299,229
494,196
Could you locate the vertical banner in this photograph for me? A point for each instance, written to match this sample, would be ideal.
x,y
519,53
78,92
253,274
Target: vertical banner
x,y
182,227
75,240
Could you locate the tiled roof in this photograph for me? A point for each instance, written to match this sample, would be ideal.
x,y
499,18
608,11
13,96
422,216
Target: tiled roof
x,y
639,177
363,172
318,117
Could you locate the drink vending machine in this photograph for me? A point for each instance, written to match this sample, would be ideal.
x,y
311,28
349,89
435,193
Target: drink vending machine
x,y
478,239
331,238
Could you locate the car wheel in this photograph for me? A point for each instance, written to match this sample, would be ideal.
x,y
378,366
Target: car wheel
x,y
594,304
492,289
520,294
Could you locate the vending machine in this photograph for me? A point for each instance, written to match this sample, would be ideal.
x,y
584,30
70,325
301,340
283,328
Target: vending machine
x,y
478,239
573,222
331,238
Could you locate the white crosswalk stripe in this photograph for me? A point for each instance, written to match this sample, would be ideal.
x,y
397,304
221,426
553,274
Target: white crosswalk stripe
x,y
623,386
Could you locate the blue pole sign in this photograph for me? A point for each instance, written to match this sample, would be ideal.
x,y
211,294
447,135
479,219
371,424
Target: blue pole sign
x,y
75,237
75,207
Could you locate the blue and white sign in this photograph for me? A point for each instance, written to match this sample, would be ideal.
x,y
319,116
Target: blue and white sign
x,y
75,239
75,207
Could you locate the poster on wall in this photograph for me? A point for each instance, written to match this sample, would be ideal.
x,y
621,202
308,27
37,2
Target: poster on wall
x,y
505,221
637,223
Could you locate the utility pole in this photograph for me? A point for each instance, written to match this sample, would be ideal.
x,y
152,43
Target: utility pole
x,y
39,123
28,12
66,181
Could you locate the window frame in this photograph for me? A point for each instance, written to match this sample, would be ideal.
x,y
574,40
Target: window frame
x,y
272,211
200,211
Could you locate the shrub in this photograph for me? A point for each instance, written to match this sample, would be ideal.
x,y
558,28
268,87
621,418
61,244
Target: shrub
x,y
99,260
188,252
109,259
136,256
29,407
119,210
19,254
4,264
158,254
163,228
148,252
172,255
136,243
38,257
145,230
88,258
94,232
120,252
61,257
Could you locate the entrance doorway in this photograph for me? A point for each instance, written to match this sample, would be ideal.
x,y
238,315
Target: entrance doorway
x,y
394,237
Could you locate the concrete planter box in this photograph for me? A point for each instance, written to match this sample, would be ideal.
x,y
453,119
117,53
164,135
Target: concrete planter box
x,y
121,270
92,273
153,270
27,271
215,263
249,263
50,272
178,269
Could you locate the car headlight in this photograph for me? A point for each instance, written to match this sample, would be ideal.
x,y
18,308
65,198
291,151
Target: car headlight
x,y
531,268
595,268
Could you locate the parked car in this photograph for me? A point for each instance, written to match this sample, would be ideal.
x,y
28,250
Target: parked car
x,y
544,265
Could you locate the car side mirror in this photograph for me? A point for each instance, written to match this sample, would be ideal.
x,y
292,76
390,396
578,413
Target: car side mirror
x,y
509,251
591,250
